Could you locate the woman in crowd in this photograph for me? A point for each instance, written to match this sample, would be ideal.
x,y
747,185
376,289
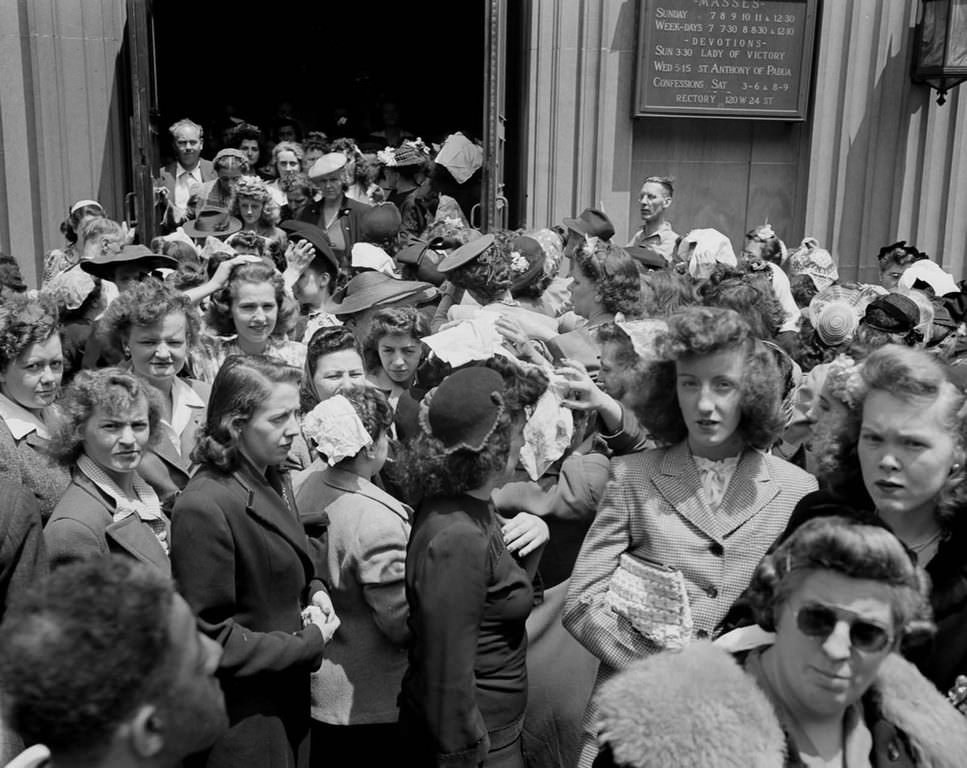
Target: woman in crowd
x,y
242,561
248,139
256,209
80,301
298,195
828,691
60,260
334,364
701,513
287,161
31,367
393,350
468,582
893,261
605,283
108,420
364,531
906,437
250,315
154,328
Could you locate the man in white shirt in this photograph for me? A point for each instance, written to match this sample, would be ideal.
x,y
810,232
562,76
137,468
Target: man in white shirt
x,y
656,234
187,170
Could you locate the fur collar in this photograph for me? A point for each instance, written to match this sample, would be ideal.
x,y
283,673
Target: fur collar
x,y
698,707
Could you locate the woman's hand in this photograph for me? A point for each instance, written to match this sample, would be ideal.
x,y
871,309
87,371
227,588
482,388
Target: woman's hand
x,y
525,533
224,270
299,255
583,394
517,339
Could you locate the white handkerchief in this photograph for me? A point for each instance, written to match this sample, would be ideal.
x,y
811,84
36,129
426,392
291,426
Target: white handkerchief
x,y
336,429
475,339
547,433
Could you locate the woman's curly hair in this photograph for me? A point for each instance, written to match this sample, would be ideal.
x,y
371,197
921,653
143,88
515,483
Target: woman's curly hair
x,y
110,389
241,386
25,321
749,294
852,549
614,274
701,331
297,182
219,315
487,277
408,321
254,188
287,146
428,470
913,376
146,303
373,409
664,291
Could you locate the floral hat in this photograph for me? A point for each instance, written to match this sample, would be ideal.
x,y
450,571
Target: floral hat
x,y
527,262
810,259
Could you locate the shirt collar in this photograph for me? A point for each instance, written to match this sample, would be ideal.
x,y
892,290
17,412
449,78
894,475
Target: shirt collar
x,y
194,173
183,400
20,421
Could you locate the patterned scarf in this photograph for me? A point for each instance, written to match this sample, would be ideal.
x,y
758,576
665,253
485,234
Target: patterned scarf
x,y
146,506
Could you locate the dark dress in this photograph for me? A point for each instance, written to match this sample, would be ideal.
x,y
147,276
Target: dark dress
x,y
241,559
465,691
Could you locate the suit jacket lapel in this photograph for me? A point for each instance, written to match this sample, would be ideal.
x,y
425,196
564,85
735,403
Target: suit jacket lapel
x,y
750,489
345,481
678,482
139,541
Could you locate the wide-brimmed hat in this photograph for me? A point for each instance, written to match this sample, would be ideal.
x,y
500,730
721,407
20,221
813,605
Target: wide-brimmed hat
x,y
316,235
214,221
103,265
463,411
381,222
375,289
328,163
592,222
466,253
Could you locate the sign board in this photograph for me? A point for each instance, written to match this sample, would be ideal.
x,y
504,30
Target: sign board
x,y
725,58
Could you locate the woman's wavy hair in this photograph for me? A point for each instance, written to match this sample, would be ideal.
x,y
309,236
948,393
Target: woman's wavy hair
x,y
219,315
110,389
287,146
325,341
297,181
664,291
98,226
765,236
373,409
241,386
253,187
614,274
249,132
749,294
68,226
428,470
25,321
637,370
146,303
487,277
913,376
852,549
899,254
408,321
701,331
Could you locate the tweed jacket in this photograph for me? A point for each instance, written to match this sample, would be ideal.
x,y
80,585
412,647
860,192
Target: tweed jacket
x,y
653,510
23,556
365,557
82,526
25,463
168,175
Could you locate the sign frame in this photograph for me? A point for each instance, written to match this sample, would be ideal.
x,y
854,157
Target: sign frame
x,y
643,69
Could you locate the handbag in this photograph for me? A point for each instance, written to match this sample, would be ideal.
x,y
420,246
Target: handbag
x,y
653,598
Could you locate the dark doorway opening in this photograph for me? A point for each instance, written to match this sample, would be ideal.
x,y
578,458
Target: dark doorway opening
x,y
218,58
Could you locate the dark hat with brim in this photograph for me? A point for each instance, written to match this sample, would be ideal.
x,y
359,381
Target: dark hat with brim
x,y
464,410
316,235
466,253
376,289
212,221
592,222
417,254
103,266
646,258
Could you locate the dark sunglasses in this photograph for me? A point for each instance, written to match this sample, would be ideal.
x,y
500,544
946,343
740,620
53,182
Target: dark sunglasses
x,y
817,620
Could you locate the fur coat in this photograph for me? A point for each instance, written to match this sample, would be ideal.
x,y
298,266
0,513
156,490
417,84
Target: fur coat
x,y
699,707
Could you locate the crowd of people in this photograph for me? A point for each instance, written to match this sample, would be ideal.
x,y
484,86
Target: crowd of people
x,y
320,475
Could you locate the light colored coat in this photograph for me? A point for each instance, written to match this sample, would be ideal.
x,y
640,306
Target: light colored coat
x,y
365,559
652,509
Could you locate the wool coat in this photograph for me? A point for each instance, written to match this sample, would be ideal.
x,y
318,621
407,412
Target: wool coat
x,y
241,559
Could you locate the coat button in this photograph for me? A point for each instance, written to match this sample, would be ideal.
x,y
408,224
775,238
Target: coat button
x,y
712,591
716,549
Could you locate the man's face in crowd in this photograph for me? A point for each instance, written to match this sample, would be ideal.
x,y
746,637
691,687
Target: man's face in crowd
x,y
188,144
287,132
654,201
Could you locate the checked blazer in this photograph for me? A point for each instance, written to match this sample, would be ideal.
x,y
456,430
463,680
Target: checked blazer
x,y
652,508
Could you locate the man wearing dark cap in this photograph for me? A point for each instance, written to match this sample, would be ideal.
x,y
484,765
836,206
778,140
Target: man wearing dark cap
x,y
656,234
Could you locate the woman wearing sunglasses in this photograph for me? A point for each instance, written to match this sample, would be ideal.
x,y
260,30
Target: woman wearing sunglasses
x,y
828,691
